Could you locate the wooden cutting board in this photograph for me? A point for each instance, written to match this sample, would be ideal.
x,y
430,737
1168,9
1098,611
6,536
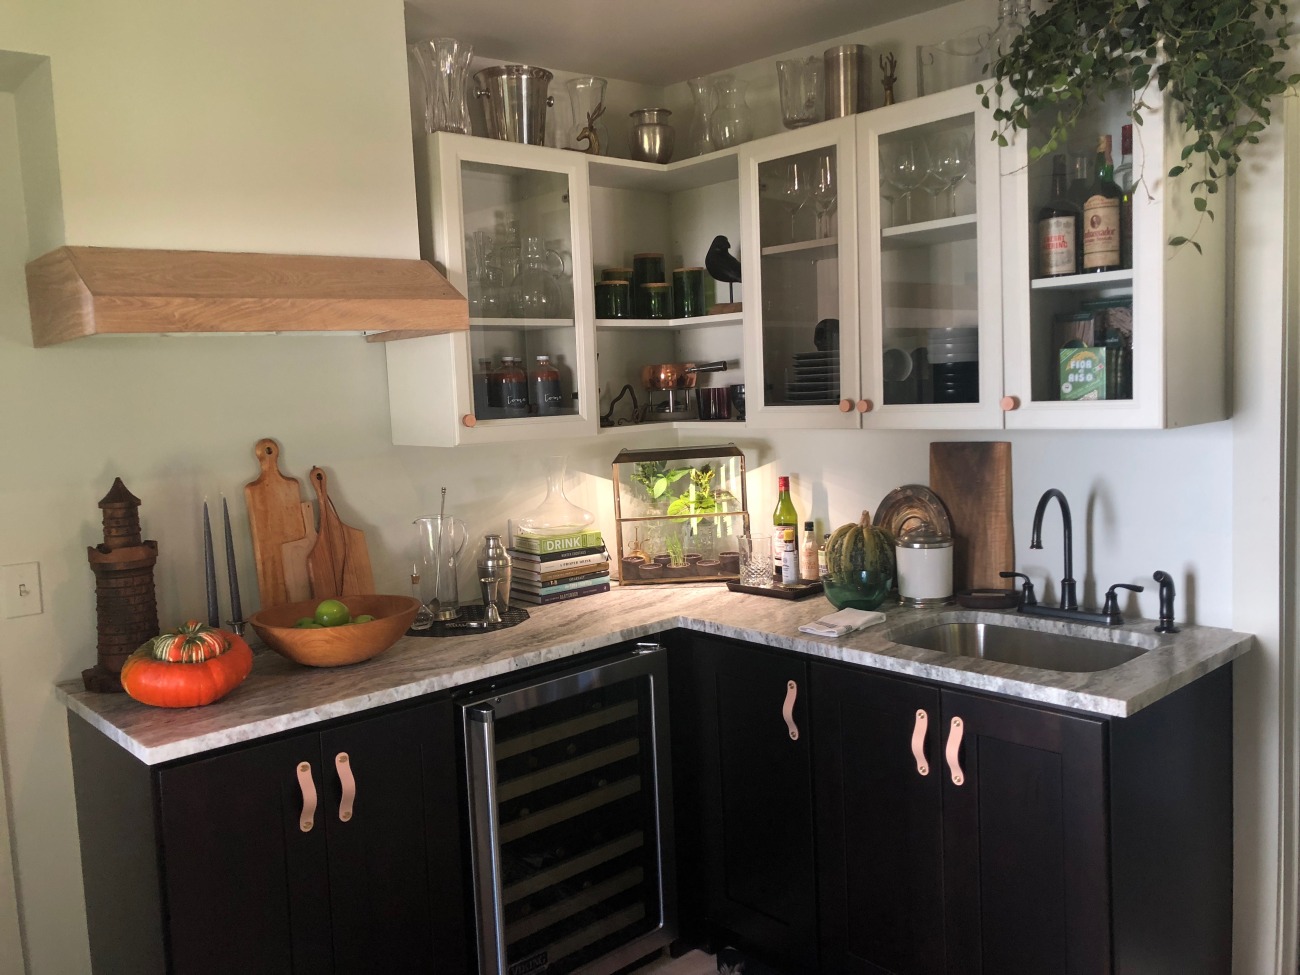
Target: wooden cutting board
x,y
274,505
974,482
294,556
339,562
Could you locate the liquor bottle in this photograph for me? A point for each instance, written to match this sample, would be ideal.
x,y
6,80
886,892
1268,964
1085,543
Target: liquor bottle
x,y
1124,180
789,558
808,554
783,517
1101,214
1058,228
544,388
1080,177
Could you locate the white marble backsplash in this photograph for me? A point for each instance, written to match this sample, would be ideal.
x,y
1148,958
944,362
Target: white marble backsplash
x,y
280,695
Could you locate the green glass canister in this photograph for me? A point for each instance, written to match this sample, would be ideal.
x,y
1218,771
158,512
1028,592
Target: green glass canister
x,y
688,292
616,274
613,299
657,299
647,268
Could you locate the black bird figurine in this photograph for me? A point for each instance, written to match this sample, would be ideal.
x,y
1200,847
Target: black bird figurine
x,y
721,265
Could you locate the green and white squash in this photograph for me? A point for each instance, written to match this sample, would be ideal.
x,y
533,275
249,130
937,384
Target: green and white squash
x,y
860,565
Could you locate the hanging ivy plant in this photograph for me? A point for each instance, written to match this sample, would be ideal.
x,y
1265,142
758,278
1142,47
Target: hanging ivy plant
x,y
1217,59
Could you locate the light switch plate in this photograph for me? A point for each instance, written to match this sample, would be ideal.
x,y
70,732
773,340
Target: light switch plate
x,y
20,589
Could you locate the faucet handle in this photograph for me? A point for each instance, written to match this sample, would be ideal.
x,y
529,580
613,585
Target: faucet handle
x,y
1027,597
1166,602
1111,606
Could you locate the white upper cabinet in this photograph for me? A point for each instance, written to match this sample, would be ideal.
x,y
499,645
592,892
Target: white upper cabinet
x,y
929,215
1157,324
509,223
799,220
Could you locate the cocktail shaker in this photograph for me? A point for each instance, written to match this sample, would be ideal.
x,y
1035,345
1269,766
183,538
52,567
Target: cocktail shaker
x,y
494,563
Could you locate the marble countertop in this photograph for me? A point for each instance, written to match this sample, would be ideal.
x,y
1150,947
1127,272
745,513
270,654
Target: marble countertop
x,y
280,695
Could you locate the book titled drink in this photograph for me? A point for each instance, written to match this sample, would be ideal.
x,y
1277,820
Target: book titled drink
x,y
556,544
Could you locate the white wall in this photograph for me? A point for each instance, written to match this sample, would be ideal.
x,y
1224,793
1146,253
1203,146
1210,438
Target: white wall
x,y
285,127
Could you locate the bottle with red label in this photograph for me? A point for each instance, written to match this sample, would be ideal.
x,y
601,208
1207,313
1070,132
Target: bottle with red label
x,y
1101,224
1058,228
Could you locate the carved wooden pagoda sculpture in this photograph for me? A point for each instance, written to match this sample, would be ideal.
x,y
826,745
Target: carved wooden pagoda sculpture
x,y
126,609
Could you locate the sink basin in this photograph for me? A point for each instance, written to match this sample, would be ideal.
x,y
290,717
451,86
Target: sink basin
x,y
1023,647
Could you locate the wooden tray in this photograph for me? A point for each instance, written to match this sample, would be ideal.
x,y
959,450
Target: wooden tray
x,y
798,591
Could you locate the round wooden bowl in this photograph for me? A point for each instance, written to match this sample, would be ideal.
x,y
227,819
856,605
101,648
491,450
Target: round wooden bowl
x,y
334,646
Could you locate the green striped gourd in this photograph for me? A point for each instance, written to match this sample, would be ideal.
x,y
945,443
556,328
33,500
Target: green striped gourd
x,y
859,565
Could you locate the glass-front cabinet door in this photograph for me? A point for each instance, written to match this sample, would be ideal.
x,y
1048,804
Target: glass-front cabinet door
x,y
504,221
931,262
1131,332
798,207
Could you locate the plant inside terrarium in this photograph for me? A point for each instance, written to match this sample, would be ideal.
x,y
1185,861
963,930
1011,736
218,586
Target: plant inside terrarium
x,y
674,545
698,498
656,477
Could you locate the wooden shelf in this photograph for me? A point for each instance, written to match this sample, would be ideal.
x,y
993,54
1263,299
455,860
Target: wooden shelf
x,y
75,292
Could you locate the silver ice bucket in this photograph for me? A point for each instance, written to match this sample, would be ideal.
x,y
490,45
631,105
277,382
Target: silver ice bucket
x,y
516,102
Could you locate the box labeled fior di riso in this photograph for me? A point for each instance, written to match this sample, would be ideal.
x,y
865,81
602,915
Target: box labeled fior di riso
x,y
1083,373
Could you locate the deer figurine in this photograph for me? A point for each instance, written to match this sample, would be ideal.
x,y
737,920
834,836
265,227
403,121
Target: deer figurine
x,y
588,132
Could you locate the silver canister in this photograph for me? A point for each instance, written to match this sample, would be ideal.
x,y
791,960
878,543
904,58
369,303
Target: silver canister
x,y
494,562
848,80
924,569
516,102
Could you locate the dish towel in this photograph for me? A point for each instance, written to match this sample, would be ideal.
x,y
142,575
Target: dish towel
x,y
845,621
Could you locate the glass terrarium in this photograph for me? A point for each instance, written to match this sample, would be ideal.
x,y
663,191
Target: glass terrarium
x,y
679,512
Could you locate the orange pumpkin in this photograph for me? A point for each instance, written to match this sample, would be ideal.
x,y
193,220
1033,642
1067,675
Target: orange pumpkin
x,y
192,665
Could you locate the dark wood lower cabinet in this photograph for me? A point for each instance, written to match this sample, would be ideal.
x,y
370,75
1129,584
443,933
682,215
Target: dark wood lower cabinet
x,y
743,787
244,876
963,834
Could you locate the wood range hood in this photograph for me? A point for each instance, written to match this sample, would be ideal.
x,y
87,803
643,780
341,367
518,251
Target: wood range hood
x,y
78,291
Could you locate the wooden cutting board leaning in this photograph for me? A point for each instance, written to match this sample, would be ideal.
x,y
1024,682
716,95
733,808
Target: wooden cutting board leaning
x,y
275,517
294,557
339,563
974,482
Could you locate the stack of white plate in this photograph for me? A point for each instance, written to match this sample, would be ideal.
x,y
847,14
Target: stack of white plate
x,y
815,377
953,345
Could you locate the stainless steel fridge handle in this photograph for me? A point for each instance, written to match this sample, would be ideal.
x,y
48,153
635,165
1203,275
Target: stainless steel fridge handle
x,y
484,832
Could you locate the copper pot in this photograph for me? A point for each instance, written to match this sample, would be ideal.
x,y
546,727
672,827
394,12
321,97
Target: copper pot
x,y
676,375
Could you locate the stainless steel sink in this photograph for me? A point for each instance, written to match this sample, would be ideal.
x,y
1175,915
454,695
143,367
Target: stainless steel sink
x,y
1023,647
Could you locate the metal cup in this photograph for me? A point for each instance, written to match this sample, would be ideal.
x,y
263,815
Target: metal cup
x,y
516,102
489,585
848,80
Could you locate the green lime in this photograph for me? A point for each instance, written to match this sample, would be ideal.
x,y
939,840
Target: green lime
x,y
331,612
363,618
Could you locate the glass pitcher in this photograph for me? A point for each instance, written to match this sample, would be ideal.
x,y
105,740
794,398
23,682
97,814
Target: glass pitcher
x,y
536,292
439,541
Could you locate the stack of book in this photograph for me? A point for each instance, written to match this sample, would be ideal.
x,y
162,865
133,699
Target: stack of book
x,y
553,568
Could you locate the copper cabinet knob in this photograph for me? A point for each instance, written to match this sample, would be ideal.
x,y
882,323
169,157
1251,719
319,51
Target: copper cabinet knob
x,y
846,405
865,406
469,419
1010,403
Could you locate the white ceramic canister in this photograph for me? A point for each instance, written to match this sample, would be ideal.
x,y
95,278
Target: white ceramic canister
x,y
924,569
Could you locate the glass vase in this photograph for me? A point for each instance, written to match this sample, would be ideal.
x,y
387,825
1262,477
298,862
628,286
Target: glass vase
x,y
699,137
587,96
443,67
732,123
535,292
556,515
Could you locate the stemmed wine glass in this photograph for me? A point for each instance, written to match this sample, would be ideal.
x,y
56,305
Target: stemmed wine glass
x,y
823,193
950,162
906,167
794,192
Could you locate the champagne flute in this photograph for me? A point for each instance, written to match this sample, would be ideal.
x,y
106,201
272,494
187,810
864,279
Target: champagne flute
x,y
823,192
906,168
794,192
951,162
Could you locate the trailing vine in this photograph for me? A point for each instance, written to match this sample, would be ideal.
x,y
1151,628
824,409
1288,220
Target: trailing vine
x,y
1217,59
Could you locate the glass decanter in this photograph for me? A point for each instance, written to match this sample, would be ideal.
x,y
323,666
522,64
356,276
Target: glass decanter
x,y
536,293
556,515
699,135
732,123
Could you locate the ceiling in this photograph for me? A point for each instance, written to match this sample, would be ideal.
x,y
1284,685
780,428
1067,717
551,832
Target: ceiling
x,y
655,43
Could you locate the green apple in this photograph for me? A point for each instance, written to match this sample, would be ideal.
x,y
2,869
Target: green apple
x,y
331,612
